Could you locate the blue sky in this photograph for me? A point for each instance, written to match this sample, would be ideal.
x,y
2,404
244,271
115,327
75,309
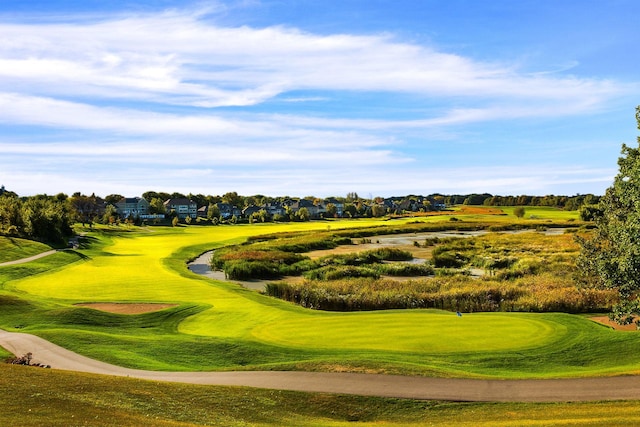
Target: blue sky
x,y
316,97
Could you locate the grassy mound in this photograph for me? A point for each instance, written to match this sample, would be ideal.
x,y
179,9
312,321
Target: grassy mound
x,y
13,248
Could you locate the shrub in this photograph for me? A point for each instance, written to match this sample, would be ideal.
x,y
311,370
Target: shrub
x,y
398,269
340,272
448,260
246,270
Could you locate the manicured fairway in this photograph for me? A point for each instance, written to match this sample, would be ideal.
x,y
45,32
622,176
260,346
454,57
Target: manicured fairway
x,y
218,325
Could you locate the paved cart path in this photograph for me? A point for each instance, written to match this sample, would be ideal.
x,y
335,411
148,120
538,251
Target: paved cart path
x,y
28,259
584,389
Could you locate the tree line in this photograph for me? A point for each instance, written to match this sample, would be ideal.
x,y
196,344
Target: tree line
x,y
43,218
49,218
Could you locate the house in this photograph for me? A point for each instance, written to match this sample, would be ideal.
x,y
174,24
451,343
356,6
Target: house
x,y
250,210
228,211
132,207
182,207
337,203
274,208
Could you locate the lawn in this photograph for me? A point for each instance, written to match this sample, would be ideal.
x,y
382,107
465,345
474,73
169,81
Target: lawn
x,y
218,325
36,397
12,248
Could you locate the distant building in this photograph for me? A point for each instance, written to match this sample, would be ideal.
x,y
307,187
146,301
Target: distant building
x,y
228,211
182,207
132,206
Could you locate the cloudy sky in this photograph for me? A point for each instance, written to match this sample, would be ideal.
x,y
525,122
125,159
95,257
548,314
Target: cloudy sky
x,y
310,97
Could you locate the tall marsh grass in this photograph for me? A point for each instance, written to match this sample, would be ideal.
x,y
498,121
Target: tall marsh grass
x,y
454,293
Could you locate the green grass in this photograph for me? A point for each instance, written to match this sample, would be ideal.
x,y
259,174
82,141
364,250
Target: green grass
x,y
219,325
13,248
36,397
543,213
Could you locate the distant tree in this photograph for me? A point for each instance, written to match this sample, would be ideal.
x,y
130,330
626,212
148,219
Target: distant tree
x,y
85,208
303,214
350,208
519,211
249,201
213,211
378,210
289,214
177,195
46,219
150,195
200,199
156,206
112,199
233,199
10,215
110,215
331,210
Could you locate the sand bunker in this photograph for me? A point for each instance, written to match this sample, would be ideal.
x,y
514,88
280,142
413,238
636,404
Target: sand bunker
x,y
606,321
126,308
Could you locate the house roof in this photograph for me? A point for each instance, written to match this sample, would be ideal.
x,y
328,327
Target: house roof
x,y
180,201
129,200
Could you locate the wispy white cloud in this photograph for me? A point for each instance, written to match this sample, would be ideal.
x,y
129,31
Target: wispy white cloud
x,y
175,97
181,59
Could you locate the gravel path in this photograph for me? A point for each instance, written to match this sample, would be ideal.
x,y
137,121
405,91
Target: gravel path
x,y
587,389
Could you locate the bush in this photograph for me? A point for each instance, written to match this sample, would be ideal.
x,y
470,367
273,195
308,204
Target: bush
x,y
448,260
397,269
340,272
247,270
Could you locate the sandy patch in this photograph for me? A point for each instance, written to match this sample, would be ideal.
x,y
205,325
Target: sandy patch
x,y
126,308
606,321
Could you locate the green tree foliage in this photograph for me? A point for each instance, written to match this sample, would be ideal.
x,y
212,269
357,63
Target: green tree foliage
x,y
110,215
10,215
610,258
519,211
233,199
113,198
156,206
378,210
85,209
303,214
41,218
213,211
331,210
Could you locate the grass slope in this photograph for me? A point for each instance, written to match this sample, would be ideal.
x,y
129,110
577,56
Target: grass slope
x,y
223,326
37,397
13,248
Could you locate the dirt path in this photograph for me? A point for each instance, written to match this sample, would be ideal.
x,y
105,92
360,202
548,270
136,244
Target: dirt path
x,y
588,389
29,259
